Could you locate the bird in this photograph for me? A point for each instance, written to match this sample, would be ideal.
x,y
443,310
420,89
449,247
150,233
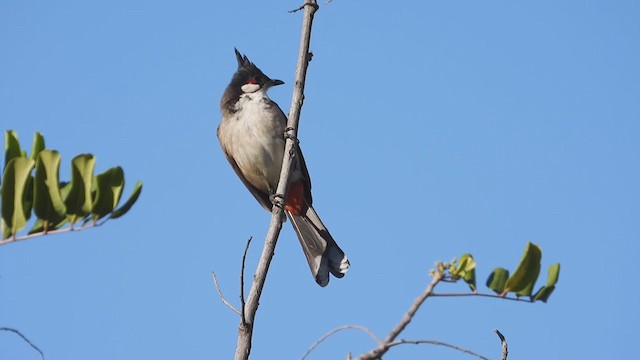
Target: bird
x,y
252,136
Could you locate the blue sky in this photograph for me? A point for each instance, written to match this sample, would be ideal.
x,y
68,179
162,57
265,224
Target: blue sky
x,y
430,128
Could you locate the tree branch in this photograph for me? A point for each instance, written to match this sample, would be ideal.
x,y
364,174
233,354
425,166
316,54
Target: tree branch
x,y
242,300
505,347
481,295
406,319
14,238
224,301
438,275
23,338
245,329
440,343
344,327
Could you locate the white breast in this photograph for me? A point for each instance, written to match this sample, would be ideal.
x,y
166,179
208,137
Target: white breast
x,y
253,137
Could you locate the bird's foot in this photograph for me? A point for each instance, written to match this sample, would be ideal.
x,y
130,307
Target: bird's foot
x,y
277,200
289,133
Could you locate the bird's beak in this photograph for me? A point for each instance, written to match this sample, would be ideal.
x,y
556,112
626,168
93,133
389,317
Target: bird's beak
x,y
276,82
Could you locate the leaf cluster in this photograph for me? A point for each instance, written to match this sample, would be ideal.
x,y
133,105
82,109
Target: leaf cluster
x,y
521,282
31,184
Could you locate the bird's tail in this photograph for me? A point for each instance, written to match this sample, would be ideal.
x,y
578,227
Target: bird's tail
x,y
323,254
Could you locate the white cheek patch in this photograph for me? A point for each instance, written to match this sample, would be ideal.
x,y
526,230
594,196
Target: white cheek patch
x,y
250,88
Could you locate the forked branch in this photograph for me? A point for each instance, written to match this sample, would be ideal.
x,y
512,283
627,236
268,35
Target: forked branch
x,y
388,342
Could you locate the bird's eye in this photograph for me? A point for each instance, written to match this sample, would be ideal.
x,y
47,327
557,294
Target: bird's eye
x,y
254,80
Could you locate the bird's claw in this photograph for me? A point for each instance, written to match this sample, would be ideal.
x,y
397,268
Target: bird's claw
x,y
289,134
277,200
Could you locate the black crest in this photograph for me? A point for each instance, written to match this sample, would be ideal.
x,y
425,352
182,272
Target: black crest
x,y
244,63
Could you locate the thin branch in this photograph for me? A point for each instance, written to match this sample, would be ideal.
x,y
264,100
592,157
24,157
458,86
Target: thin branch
x,y
245,329
242,301
481,295
215,281
297,9
383,347
33,346
310,3
505,346
344,327
52,232
440,343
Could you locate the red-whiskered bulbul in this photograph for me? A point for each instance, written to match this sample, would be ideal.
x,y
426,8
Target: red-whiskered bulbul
x,y
252,136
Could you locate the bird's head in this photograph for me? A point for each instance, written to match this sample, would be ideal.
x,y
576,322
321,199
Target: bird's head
x,y
249,78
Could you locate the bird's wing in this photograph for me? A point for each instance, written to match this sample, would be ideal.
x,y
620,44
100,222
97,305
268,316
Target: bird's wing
x,y
262,197
305,176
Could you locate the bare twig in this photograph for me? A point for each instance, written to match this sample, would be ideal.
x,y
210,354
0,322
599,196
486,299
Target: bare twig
x,y
215,281
505,346
244,258
310,3
406,319
344,327
245,329
33,346
481,295
440,343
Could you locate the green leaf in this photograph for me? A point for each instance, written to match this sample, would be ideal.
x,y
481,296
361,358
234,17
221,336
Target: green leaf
x,y
27,198
15,179
552,278
38,227
543,294
498,279
553,275
527,271
11,147
528,290
48,203
78,201
466,269
37,146
129,203
65,188
109,187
